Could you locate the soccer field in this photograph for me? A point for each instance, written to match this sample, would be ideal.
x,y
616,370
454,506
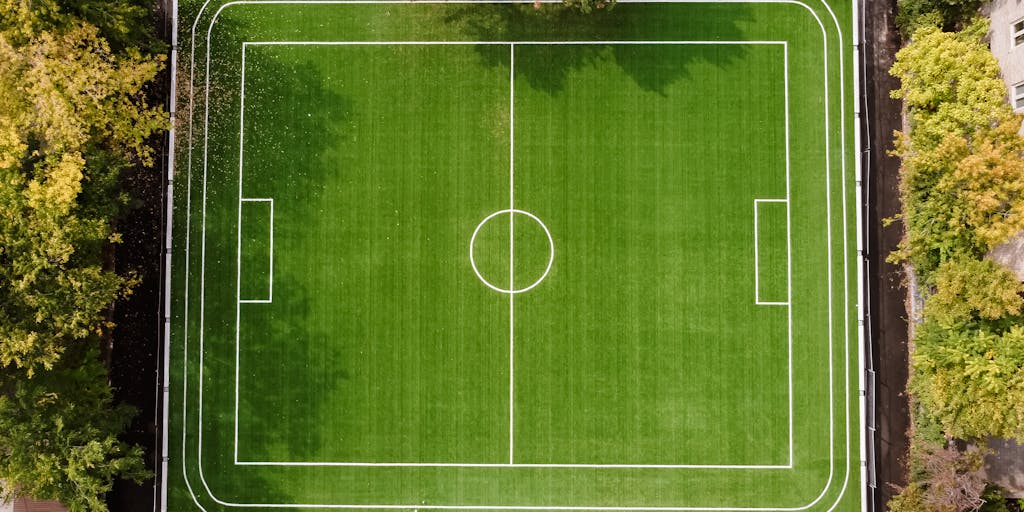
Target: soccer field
x,y
482,256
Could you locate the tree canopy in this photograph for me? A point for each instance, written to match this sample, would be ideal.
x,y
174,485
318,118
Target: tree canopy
x,y
951,82
950,481
73,116
961,182
58,432
123,23
970,290
971,381
962,189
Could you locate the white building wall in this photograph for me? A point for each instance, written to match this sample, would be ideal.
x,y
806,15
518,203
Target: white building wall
x,y
1004,13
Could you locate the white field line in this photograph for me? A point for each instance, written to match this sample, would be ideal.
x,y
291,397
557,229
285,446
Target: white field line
x,y
757,254
663,466
527,465
238,252
472,256
188,246
789,268
503,465
400,506
270,252
511,291
502,43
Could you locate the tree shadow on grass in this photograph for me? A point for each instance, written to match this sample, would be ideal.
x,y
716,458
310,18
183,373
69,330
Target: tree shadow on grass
x,y
292,141
652,67
278,412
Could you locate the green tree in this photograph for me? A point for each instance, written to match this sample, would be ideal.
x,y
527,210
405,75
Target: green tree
x,y
969,290
935,220
948,14
951,83
909,499
963,196
123,23
971,381
73,115
68,92
58,434
962,188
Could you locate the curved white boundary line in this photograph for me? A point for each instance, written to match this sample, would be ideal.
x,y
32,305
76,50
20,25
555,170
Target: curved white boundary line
x,y
200,455
828,208
586,508
551,250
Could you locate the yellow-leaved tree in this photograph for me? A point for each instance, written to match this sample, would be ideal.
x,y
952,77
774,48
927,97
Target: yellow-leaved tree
x,y
961,182
71,112
73,116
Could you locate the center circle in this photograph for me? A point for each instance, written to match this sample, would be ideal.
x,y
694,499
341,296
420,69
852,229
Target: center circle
x,y
511,289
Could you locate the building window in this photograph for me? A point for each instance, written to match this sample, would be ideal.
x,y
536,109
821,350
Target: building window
x,y
1017,33
1018,96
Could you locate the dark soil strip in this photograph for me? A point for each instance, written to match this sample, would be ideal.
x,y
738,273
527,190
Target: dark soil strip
x,y
887,309
136,346
136,352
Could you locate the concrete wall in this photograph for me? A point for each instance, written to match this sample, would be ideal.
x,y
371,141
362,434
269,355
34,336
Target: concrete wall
x,y
1011,60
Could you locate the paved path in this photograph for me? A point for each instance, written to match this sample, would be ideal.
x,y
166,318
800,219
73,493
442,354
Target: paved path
x,y
1006,466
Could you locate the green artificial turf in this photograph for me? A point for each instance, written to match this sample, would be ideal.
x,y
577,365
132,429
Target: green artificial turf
x,y
334,343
